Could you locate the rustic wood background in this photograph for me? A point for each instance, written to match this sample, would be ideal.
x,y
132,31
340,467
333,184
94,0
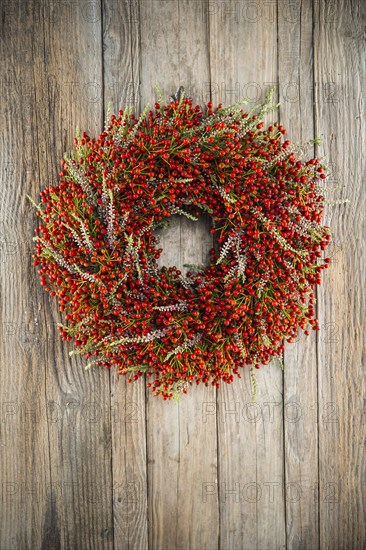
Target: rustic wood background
x,y
87,462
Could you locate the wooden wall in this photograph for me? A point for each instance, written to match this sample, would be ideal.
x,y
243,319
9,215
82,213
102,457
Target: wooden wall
x,y
89,462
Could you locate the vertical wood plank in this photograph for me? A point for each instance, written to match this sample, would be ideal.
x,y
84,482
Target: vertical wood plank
x,y
24,442
186,243
63,467
340,79
121,50
181,447
80,447
243,52
295,35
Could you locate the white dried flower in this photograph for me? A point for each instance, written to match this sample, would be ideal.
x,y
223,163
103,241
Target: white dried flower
x,y
153,335
81,179
110,219
187,344
180,306
86,237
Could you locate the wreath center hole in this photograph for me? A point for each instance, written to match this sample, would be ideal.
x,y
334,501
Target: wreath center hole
x,y
186,243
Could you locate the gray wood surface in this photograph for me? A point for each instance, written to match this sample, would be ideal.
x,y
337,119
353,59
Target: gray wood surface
x,y
181,449
89,461
250,444
121,44
295,45
340,116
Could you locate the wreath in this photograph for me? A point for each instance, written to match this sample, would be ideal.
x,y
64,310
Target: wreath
x,y
97,244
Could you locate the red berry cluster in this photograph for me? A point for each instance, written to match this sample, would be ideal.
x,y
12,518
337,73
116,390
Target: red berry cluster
x,y
97,250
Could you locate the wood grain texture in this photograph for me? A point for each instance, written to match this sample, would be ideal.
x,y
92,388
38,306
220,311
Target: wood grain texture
x,y
177,466
66,451
24,460
89,461
121,56
243,48
295,63
80,448
340,78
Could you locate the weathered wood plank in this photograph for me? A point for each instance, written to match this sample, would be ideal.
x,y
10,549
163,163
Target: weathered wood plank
x,y
80,447
121,53
54,59
186,243
340,80
121,82
181,448
295,54
24,450
243,52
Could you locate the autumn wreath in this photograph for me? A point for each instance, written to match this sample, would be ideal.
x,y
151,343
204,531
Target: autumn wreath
x,y
97,246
